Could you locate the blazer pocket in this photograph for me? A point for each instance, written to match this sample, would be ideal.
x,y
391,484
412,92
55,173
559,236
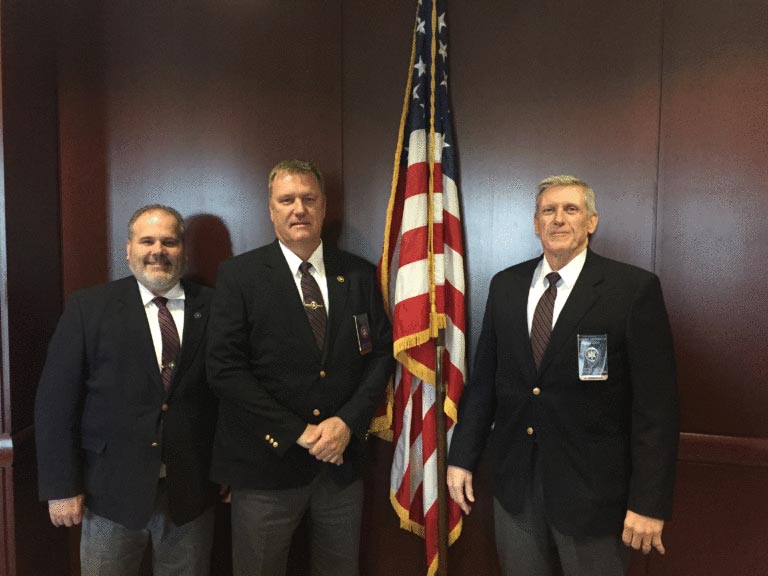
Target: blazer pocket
x,y
95,445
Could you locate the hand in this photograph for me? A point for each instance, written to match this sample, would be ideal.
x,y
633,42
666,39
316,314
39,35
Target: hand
x,y
67,511
308,438
460,487
334,438
225,494
643,532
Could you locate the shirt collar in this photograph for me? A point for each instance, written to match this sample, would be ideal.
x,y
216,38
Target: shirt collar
x,y
175,293
568,273
316,259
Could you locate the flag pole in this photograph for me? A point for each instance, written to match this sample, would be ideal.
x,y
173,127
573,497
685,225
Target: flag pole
x,y
442,448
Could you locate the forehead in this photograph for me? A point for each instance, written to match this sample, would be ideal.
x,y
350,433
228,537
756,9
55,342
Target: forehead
x,y
155,222
287,182
570,194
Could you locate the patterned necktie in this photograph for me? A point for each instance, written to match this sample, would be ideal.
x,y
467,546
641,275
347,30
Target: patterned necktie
x,y
541,327
170,339
313,304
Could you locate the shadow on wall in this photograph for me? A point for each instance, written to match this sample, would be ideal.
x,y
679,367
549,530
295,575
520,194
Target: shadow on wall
x,y
208,245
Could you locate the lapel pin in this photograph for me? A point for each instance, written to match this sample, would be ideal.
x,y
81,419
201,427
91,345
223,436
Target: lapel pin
x,y
339,278
197,315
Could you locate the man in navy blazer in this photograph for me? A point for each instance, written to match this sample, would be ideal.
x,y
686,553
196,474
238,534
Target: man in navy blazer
x,y
124,431
300,351
580,403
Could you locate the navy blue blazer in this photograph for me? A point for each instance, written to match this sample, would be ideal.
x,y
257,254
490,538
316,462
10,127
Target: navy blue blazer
x,y
103,423
603,445
271,378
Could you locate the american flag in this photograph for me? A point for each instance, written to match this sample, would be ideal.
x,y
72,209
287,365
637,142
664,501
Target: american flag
x,y
422,279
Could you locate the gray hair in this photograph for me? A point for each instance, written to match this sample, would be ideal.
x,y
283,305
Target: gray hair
x,y
297,167
565,180
161,208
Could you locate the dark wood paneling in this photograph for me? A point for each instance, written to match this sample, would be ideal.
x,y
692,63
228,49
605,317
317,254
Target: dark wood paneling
x,y
712,234
30,293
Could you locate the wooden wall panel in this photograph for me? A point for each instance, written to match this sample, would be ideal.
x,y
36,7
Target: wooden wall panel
x,y
712,233
192,106
30,280
713,263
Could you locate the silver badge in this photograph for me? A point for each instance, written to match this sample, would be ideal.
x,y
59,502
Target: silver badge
x,y
593,356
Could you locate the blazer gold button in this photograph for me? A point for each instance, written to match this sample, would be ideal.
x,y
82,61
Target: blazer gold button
x,y
164,407
536,391
154,444
339,278
268,438
275,445
322,373
315,412
530,431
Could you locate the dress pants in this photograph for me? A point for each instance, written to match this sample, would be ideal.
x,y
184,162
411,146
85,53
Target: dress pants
x,y
528,545
263,523
108,548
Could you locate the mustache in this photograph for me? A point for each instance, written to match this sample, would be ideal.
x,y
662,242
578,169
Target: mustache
x,y
157,259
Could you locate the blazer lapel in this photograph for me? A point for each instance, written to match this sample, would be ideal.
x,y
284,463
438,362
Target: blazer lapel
x,y
286,298
337,296
195,320
585,293
133,319
519,293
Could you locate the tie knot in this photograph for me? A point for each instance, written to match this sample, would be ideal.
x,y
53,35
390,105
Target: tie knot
x,y
304,267
160,301
553,278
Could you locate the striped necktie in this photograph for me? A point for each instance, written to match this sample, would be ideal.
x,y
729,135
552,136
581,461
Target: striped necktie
x,y
541,327
313,304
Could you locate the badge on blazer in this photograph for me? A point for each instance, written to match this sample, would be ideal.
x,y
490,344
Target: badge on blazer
x,y
593,356
363,329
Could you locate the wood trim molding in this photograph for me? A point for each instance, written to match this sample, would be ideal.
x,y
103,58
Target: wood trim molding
x,y
729,450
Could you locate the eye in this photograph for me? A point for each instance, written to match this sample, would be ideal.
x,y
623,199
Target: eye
x,y
547,210
572,209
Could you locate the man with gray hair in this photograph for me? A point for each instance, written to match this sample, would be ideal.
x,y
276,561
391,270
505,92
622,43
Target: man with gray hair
x,y
574,386
124,418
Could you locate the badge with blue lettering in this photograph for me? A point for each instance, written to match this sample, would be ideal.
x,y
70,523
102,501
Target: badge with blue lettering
x,y
593,356
363,328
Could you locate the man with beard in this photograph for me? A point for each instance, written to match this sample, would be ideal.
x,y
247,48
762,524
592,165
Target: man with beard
x,y
124,418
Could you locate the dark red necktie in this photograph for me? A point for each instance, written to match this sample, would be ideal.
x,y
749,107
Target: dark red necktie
x,y
541,327
170,339
313,304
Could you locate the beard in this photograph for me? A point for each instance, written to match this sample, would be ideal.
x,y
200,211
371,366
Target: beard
x,y
157,281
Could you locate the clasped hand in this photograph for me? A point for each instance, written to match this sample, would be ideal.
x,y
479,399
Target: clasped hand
x,y
326,441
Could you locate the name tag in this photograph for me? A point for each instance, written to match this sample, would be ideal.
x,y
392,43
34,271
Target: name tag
x,y
363,328
593,356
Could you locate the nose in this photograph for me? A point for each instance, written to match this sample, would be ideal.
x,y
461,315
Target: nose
x,y
157,247
559,216
299,207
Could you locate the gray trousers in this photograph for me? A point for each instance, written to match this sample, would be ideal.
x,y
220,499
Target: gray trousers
x,y
110,549
528,545
263,523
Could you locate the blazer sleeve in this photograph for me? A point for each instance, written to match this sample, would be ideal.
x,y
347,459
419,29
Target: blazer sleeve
x,y
655,404
58,408
478,402
358,411
228,362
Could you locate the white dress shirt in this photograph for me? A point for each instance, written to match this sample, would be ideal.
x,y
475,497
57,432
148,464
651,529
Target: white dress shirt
x,y
317,270
568,276
175,305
